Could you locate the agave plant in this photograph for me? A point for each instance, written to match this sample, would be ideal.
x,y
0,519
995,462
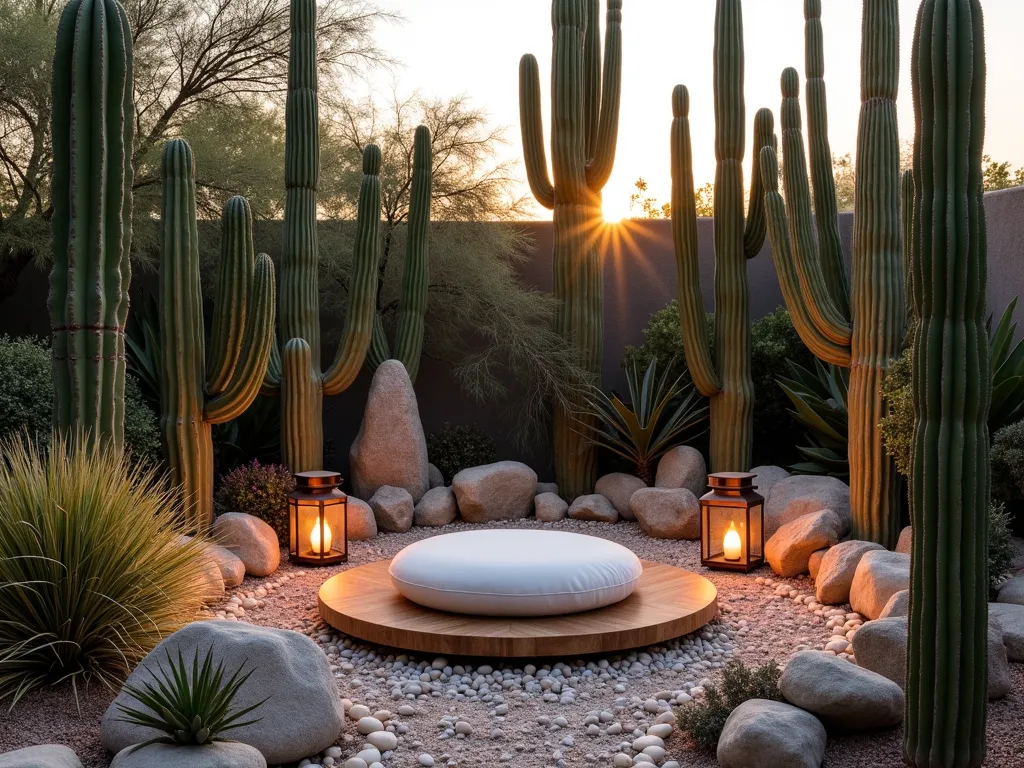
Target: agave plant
x,y
190,709
659,412
1007,372
819,402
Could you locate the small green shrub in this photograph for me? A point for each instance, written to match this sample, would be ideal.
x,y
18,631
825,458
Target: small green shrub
x,y
898,424
454,448
93,571
1008,463
26,399
704,720
258,489
1001,550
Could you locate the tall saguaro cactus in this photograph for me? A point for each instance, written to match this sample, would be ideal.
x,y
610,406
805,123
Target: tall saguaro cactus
x,y
951,379
722,373
93,118
812,272
585,123
202,383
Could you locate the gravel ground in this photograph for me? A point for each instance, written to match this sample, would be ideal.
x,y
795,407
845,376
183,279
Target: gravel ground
x,y
538,712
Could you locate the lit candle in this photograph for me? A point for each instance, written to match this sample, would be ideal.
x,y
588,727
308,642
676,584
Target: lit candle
x,y
314,538
732,545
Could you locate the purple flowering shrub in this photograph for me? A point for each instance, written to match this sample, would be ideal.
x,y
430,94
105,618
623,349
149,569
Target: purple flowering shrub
x,y
258,489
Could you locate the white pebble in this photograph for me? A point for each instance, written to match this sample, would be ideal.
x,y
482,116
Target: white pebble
x,y
426,760
369,725
357,711
385,741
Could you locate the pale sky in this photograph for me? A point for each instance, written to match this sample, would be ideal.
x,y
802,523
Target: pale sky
x,y
449,47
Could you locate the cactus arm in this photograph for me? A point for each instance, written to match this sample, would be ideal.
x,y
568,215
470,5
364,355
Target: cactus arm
x,y
789,281
271,386
684,237
592,75
603,152
756,226
816,296
568,131
826,218
362,290
413,307
531,120
302,437
255,345
234,278
380,349
951,379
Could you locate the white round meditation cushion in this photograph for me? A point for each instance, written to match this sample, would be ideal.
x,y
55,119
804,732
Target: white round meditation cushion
x,y
503,572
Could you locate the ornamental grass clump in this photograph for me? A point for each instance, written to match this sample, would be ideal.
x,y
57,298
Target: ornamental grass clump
x,y
258,489
93,569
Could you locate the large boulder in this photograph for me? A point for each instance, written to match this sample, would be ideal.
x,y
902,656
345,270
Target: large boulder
x,y
771,734
802,494
362,524
898,605
791,546
303,715
550,507
1012,591
667,513
905,540
683,467
1011,619
220,754
436,508
767,476
43,756
594,507
251,539
390,448
393,509
500,491
879,575
846,697
618,487
835,575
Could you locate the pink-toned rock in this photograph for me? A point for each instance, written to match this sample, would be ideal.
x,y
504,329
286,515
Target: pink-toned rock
x,y
618,487
789,549
667,513
593,507
905,540
799,495
814,562
683,467
250,539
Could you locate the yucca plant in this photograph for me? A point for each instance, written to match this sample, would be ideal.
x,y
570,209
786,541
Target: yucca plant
x,y
659,412
819,404
189,709
93,572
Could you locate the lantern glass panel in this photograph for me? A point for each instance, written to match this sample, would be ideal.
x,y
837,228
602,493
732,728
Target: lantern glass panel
x,y
756,534
318,519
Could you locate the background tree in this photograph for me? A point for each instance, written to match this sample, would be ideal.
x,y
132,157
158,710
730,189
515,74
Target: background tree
x,y
648,205
997,175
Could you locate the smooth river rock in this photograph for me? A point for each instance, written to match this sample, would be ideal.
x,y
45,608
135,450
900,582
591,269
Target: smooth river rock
x,y
791,546
593,507
500,491
362,524
771,734
436,508
550,507
250,539
835,574
618,487
220,754
393,509
42,756
683,467
798,495
667,513
879,575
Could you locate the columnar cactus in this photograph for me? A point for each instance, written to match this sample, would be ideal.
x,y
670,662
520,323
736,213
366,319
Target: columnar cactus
x,y
817,298
412,307
722,373
204,384
585,122
93,118
951,378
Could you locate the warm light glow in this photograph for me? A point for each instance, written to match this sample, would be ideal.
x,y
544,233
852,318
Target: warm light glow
x,y
615,208
314,538
732,545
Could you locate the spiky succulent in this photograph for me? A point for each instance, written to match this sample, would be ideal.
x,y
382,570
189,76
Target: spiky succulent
x,y
189,709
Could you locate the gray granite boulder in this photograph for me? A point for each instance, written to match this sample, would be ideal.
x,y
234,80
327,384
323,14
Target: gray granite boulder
x,y
898,605
767,476
999,681
905,540
771,734
1012,591
362,525
390,448
814,562
618,487
832,584
250,539
1011,619
879,575
434,477
683,467
550,507
42,756
790,547
303,715
667,513
500,491
393,509
799,495
593,507
546,488
436,508
846,697
220,754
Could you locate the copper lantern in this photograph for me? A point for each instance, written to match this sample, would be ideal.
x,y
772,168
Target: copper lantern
x,y
317,520
732,523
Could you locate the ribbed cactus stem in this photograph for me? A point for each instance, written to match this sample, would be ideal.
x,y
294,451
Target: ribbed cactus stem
x,y
301,394
907,240
951,380
585,118
92,119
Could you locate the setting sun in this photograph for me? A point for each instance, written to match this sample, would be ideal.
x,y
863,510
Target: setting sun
x,y
615,208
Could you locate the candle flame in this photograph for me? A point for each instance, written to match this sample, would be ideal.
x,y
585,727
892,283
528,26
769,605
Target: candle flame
x,y
732,545
314,539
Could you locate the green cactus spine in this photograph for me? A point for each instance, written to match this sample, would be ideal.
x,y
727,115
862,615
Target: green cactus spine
x,y
93,118
412,307
199,385
951,378
721,374
817,298
585,120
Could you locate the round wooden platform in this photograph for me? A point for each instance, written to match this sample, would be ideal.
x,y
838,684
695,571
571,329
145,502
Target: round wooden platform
x,y
668,602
